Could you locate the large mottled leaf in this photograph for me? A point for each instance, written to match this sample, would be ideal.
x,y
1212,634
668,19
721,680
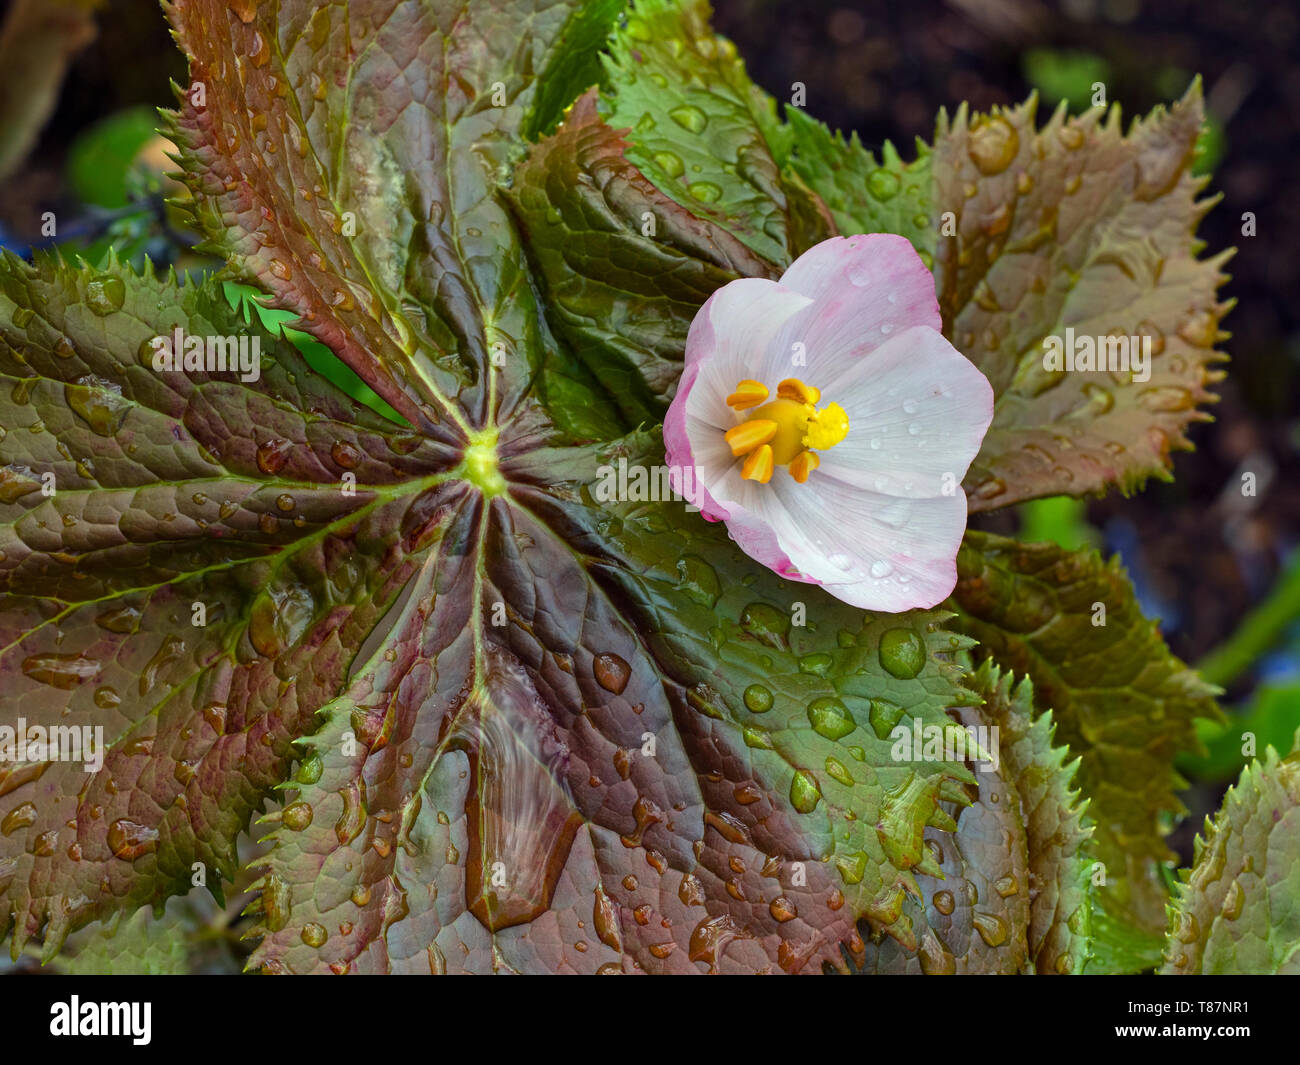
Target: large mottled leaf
x,y
626,268
537,729
609,754
697,122
1121,702
1077,226
1056,828
1238,908
179,567
346,158
1031,232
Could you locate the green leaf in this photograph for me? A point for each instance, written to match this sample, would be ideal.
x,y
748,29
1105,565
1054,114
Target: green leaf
x,y
621,299
367,202
140,945
1056,827
1236,909
864,195
697,122
1077,226
575,64
1120,700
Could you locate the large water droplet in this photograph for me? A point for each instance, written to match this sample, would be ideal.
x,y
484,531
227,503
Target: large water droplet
x,y
992,929
297,816
123,619
272,455
16,482
881,569
830,718
705,191
130,840
670,163
279,617
20,816
63,671
758,699
314,935
765,623
346,455
993,145
611,672
782,909
104,295
276,902
882,184
99,403
883,716
804,792
936,959
689,117
698,580
902,653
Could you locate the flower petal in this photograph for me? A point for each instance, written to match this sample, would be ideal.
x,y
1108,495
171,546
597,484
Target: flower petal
x,y
865,289
920,410
873,551
731,332
729,337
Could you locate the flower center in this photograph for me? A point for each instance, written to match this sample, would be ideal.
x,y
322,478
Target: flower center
x,y
785,431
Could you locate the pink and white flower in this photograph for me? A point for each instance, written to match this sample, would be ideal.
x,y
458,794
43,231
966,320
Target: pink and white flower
x,y
829,423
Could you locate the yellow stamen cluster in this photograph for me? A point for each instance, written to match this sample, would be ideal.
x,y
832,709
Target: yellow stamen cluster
x,y
783,432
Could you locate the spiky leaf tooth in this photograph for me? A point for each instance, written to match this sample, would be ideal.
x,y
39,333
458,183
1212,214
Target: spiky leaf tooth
x,y
1056,825
1121,702
1238,907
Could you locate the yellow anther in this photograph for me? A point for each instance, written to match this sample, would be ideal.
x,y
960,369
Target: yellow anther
x,y
748,394
786,431
826,427
758,465
746,436
804,463
793,388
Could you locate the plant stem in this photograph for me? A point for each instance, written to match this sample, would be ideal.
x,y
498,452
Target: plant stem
x,y
1258,631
